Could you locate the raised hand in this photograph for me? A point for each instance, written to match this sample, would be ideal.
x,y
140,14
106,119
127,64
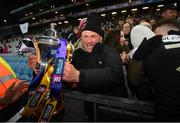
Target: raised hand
x,y
14,92
71,74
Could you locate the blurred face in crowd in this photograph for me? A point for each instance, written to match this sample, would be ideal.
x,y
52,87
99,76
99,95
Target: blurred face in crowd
x,y
152,21
90,39
120,22
126,28
169,13
130,20
122,40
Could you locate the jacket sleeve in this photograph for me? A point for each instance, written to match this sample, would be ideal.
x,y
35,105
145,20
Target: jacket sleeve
x,y
105,78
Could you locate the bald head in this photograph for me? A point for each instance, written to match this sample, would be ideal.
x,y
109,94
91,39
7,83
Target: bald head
x,y
164,26
164,29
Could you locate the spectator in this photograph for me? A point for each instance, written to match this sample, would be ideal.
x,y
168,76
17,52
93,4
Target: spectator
x,y
120,22
96,68
152,21
93,63
126,28
140,32
138,83
115,39
130,20
169,11
161,62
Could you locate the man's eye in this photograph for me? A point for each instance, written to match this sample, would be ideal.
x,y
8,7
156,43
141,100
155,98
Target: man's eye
x,y
93,36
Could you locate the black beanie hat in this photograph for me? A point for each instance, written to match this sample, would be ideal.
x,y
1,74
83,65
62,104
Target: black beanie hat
x,y
94,24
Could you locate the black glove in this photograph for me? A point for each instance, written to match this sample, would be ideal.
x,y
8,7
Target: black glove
x,y
147,47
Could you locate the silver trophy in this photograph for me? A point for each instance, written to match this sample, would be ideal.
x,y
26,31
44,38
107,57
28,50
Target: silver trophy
x,y
46,46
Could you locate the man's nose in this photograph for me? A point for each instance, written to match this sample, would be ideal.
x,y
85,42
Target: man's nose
x,y
89,40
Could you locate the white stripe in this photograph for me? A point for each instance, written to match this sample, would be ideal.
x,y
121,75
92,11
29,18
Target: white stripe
x,y
178,69
17,116
172,46
171,38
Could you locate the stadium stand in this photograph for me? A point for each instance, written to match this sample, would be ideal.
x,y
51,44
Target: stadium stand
x,y
19,65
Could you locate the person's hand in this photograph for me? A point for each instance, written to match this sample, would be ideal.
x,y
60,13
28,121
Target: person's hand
x,y
32,62
123,42
124,57
14,92
71,74
126,43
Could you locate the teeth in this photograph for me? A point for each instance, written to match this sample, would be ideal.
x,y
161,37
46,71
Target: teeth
x,y
90,46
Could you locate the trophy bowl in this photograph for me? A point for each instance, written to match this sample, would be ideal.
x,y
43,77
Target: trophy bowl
x,y
46,47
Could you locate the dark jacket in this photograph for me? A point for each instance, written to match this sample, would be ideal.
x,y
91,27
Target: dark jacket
x,y
100,71
162,66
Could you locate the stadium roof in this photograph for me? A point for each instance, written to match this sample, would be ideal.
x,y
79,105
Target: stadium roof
x,y
20,11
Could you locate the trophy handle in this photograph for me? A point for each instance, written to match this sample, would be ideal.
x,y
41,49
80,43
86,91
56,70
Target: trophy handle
x,y
38,55
70,50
